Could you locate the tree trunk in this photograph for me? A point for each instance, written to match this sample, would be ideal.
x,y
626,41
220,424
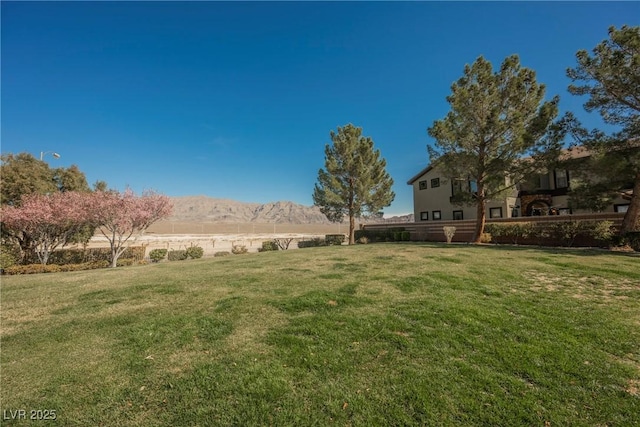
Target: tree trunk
x,y
632,217
480,221
352,229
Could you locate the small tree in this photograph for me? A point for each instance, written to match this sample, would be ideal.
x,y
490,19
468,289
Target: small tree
x,y
610,77
355,181
495,120
121,216
42,223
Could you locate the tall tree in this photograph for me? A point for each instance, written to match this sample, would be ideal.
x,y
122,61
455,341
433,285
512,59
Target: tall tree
x,y
495,120
610,77
23,174
354,182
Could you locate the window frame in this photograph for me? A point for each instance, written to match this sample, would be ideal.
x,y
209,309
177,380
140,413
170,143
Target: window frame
x,y
617,206
491,210
435,182
422,185
461,215
424,216
433,215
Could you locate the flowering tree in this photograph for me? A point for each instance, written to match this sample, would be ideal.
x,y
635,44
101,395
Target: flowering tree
x,y
121,216
42,222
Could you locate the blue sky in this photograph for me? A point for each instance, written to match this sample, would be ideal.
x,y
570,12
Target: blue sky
x,y
236,100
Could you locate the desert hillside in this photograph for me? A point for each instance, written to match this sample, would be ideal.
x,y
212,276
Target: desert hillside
x,y
209,209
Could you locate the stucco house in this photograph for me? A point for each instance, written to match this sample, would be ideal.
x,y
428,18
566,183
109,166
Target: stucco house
x,y
545,194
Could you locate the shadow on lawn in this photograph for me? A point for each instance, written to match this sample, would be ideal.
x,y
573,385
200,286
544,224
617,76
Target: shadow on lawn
x,y
588,251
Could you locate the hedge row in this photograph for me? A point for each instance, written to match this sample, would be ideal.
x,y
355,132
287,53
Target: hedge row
x,y
83,256
387,235
564,233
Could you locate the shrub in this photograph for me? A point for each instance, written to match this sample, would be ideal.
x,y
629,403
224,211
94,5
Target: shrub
x,y
283,243
334,239
269,245
9,255
157,255
632,238
485,238
315,242
514,231
567,231
177,255
363,240
599,230
195,252
449,232
405,236
54,268
384,235
80,256
221,253
239,249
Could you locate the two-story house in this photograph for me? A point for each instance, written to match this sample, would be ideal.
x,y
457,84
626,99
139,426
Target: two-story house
x,y
545,194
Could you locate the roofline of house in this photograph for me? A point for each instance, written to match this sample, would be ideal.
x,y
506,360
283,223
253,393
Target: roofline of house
x,y
419,174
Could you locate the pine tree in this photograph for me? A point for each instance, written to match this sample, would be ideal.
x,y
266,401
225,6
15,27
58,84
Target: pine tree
x,y
495,120
610,77
354,182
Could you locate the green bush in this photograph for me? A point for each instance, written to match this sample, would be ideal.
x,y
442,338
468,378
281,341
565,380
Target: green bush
x,y
177,255
405,236
334,239
632,239
81,256
9,255
514,231
157,255
54,268
385,235
313,243
195,252
221,253
269,245
566,232
239,249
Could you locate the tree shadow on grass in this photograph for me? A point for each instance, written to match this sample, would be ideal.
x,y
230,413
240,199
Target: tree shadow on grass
x,y
551,250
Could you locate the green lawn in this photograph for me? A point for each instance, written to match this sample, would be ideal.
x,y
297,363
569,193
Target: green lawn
x,y
385,334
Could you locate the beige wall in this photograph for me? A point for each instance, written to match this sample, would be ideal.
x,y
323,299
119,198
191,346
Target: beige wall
x,y
432,199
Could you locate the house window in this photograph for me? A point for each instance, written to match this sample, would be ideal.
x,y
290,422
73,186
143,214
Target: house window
x,y
621,208
458,186
495,213
473,186
436,215
424,216
458,216
422,185
435,182
515,211
562,180
543,182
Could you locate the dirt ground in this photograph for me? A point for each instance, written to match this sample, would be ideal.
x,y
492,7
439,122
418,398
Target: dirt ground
x,y
214,238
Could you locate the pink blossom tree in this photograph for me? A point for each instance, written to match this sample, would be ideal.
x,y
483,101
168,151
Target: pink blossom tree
x,y
44,222
123,216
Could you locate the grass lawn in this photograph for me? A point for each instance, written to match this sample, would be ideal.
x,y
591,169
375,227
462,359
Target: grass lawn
x,y
385,334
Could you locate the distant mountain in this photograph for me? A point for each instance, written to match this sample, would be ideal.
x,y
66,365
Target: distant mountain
x,y
209,209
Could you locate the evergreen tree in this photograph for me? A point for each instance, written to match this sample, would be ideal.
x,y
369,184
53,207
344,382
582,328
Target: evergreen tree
x,y
354,182
610,77
495,120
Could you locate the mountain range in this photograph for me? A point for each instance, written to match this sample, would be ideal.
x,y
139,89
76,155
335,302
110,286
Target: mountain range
x,y
209,209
